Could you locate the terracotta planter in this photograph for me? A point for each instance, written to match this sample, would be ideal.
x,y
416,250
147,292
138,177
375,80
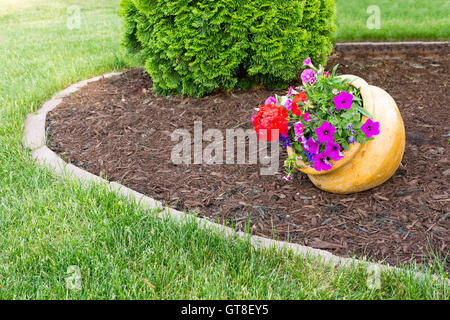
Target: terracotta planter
x,y
365,166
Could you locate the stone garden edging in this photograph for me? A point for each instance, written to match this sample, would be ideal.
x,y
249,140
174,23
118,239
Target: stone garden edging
x,y
34,139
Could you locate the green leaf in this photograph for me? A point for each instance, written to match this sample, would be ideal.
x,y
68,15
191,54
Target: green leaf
x,y
344,145
334,70
364,112
348,114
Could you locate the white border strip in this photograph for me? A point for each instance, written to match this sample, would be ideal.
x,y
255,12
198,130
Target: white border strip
x,y
34,140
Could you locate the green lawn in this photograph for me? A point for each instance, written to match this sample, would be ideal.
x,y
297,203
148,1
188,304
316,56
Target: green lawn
x,y
48,224
399,20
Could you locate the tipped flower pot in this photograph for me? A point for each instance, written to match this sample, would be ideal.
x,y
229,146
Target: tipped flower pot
x,y
365,166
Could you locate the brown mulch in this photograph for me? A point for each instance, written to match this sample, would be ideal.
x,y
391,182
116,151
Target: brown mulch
x,y
117,128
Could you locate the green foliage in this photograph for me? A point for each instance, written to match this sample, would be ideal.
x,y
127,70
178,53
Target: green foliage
x,y
195,46
320,107
323,109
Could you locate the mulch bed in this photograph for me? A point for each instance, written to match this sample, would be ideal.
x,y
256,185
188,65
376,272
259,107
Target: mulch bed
x,y
118,129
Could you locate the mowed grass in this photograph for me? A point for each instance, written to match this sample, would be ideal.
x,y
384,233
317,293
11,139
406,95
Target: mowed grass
x,y
48,224
399,20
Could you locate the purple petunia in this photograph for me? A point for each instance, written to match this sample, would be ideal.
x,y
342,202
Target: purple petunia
x,y
370,128
321,163
343,100
333,151
307,75
302,141
325,132
312,146
290,90
307,62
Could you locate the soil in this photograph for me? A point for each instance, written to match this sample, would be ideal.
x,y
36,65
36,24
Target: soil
x,y
119,129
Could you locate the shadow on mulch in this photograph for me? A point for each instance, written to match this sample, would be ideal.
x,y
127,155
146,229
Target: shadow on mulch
x,y
119,129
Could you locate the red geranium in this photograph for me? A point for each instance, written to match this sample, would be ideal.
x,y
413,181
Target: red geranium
x,y
269,119
295,110
299,97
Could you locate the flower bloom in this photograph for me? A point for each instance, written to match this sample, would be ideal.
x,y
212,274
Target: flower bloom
x,y
343,100
326,74
270,100
290,90
307,75
306,117
350,128
302,141
287,104
325,132
307,62
312,146
287,178
312,81
321,163
309,156
295,110
299,97
351,140
370,128
270,122
298,128
335,91
333,151
284,139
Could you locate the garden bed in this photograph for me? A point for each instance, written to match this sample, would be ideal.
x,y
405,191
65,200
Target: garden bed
x,y
118,129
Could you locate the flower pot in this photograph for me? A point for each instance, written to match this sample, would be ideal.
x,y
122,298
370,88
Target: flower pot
x,y
365,166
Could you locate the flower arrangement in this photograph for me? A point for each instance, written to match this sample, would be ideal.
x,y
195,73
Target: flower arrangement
x,y
318,122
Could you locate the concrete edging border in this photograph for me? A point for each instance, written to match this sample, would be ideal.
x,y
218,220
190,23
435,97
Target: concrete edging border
x,y
34,140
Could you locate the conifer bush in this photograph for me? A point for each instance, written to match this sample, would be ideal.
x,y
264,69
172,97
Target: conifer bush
x,y
195,46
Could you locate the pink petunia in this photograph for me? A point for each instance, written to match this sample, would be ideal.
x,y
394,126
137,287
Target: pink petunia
x,y
298,128
271,100
306,117
287,104
307,75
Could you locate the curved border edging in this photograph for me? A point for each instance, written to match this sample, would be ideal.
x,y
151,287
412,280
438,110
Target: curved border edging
x,y
34,140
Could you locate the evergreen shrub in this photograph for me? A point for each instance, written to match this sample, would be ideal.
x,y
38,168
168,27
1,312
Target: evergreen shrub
x,y
192,47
